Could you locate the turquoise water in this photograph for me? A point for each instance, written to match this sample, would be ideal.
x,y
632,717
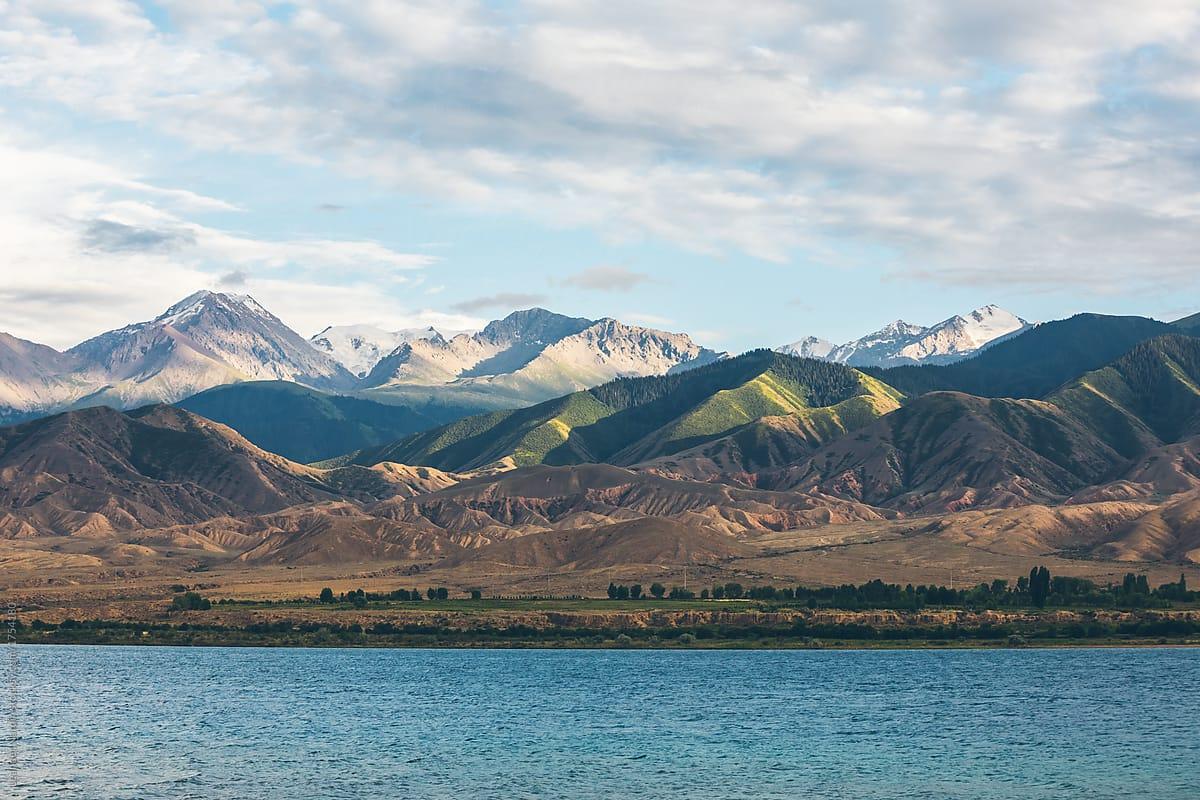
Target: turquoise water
x,y
99,723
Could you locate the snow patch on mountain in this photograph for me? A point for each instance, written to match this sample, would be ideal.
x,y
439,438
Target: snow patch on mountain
x,y
809,347
359,348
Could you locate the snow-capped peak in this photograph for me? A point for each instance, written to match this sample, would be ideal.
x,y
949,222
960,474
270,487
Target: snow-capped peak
x,y
901,342
192,305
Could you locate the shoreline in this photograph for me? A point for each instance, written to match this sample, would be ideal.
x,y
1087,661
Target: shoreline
x,y
895,645
592,625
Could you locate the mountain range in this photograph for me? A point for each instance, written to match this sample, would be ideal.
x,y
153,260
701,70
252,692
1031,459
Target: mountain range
x,y
1076,439
1108,466
212,339
901,342
529,356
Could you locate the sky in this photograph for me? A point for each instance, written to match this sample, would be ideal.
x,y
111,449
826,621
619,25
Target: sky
x,y
749,172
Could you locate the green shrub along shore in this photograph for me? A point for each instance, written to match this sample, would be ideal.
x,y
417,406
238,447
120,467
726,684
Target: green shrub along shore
x,y
1037,610
1039,632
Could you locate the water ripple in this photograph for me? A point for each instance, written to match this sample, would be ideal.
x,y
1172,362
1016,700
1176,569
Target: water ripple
x,y
101,723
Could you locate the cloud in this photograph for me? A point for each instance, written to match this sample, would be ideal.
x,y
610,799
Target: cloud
x,y
642,318
89,248
606,279
503,300
115,237
234,279
1006,143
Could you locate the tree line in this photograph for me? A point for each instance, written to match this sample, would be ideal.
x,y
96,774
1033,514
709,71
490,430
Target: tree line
x,y
1038,589
657,591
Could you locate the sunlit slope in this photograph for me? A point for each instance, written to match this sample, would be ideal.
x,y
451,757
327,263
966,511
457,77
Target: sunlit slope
x,y
632,420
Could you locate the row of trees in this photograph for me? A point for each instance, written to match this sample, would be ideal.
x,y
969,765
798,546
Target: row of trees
x,y
1038,589
359,598
635,592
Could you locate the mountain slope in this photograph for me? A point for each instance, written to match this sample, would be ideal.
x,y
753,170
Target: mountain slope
x,y
809,347
503,346
633,419
1146,398
1117,426
1170,532
34,376
948,451
903,343
98,470
649,540
963,336
1034,363
303,424
1189,325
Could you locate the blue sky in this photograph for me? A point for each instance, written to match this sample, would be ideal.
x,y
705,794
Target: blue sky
x,y
747,172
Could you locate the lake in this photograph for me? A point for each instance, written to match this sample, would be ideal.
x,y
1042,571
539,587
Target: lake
x,y
141,723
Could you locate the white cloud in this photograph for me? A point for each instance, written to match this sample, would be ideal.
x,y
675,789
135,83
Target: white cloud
x,y
1015,142
606,278
501,301
87,248
653,320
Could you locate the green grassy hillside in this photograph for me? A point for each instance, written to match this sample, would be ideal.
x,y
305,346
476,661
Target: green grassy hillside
x,y
631,420
1148,397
